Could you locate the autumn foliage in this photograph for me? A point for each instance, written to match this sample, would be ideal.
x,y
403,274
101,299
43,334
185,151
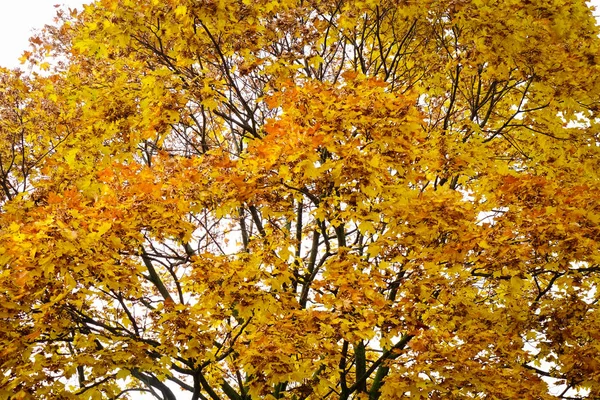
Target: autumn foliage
x,y
301,199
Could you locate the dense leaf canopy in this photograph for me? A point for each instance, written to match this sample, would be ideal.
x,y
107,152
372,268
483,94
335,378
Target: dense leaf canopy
x,y
302,199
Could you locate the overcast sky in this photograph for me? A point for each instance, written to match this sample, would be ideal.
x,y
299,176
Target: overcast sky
x,y
19,18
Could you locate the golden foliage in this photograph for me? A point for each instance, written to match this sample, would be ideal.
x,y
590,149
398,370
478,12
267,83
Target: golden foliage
x,y
348,199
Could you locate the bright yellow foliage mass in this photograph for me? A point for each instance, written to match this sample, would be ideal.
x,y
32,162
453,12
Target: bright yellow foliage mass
x,y
301,199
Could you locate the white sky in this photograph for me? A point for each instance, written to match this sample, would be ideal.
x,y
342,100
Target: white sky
x,y
19,19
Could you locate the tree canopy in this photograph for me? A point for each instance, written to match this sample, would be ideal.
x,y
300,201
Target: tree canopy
x,y
301,199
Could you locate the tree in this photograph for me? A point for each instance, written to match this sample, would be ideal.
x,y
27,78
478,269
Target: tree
x,y
339,199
